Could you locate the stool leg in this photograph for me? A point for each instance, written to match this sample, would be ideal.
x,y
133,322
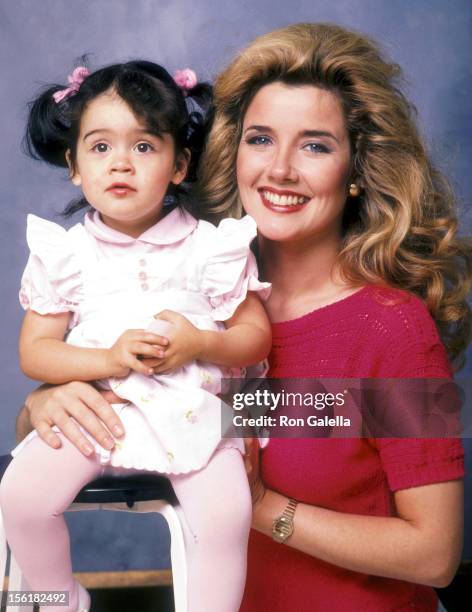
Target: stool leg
x,y
3,553
16,582
178,557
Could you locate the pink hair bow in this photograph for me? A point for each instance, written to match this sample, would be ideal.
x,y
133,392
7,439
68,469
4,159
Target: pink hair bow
x,y
75,81
186,79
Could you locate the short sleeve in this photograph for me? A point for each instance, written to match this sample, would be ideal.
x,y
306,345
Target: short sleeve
x,y
414,462
52,280
230,270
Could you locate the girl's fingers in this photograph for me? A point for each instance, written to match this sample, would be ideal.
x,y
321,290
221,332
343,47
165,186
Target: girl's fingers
x,y
162,368
138,366
150,338
149,350
151,363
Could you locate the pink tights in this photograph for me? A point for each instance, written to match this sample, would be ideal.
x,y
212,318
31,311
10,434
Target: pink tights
x,y
41,482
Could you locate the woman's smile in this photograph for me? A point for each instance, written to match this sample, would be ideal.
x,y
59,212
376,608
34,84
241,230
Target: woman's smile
x,y
282,201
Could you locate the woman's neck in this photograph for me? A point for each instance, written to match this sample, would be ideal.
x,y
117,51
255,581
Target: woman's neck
x,y
304,277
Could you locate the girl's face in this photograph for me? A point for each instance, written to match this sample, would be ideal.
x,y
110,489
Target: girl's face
x,y
294,163
123,169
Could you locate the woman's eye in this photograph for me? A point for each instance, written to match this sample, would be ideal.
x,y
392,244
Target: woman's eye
x,y
144,147
100,147
258,140
316,147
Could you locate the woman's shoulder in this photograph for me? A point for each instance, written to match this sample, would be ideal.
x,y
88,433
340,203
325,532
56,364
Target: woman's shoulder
x,y
406,333
400,312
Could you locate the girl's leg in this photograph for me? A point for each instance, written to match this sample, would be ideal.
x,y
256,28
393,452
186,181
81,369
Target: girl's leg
x,y
38,486
217,505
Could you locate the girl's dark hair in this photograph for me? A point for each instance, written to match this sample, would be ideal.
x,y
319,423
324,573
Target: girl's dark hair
x,y
152,95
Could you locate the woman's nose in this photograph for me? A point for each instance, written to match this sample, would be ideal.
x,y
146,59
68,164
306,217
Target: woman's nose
x,y
282,168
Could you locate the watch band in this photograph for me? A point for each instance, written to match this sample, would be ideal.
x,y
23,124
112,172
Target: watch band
x,y
282,527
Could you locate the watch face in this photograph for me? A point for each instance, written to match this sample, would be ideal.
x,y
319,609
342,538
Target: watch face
x,y
282,528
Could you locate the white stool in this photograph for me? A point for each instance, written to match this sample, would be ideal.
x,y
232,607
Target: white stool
x,y
142,494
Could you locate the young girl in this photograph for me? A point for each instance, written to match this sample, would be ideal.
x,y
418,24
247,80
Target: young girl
x,y
126,135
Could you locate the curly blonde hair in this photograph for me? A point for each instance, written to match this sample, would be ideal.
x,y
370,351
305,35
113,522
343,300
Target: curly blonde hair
x,y
402,230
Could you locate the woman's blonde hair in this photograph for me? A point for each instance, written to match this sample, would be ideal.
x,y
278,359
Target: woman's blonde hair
x,y
402,230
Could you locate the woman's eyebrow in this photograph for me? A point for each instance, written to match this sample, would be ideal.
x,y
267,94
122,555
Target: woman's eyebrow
x,y
258,128
305,133
318,133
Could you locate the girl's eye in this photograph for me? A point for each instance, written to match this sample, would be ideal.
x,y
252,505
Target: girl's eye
x,y
258,140
316,147
144,147
100,147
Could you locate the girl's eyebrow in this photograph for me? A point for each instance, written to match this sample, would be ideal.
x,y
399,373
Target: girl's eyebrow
x,y
97,131
309,133
143,131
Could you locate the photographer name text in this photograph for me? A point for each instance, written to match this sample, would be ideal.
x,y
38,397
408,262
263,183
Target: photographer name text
x,y
284,421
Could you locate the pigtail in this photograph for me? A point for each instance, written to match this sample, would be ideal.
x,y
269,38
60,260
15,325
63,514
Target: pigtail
x,y
199,101
48,129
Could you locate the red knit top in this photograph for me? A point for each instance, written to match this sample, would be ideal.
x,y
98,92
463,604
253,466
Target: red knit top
x,y
372,333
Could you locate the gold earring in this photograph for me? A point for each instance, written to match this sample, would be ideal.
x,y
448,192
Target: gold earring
x,y
354,190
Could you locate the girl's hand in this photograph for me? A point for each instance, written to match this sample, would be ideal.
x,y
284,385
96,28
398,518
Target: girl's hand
x,y
48,406
252,463
138,350
185,342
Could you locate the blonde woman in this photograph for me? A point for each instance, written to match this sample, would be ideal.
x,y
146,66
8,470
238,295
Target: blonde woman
x,y
357,233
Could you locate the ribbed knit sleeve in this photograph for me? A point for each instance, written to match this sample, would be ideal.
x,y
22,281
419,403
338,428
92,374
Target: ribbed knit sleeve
x,y
415,462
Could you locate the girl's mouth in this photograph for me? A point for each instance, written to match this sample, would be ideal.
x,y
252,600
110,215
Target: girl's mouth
x,y
282,201
120,189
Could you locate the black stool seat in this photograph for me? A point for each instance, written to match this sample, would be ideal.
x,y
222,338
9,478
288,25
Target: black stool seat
x,y
128,489
115,489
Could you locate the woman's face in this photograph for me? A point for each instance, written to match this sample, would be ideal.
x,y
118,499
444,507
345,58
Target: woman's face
x,y
294,163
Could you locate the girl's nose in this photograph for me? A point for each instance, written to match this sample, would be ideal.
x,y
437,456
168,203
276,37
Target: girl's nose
x,y
121,163
281,168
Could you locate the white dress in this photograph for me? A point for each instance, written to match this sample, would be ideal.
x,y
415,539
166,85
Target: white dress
x,y
111,282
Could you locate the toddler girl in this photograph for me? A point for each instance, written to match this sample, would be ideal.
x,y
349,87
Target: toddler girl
x,y
126,133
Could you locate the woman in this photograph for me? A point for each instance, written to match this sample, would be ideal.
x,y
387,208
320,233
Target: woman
x,y
357,236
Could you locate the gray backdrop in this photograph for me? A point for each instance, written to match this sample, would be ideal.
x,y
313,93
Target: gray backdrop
x,y
39,42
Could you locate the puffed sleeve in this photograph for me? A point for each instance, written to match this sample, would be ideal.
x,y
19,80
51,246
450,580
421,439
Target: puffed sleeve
x,y
230,269
52,280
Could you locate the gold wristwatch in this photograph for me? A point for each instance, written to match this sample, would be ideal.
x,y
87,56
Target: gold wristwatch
x,y
282,527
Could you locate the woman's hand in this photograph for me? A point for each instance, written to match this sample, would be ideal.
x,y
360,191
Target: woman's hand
x,y
185,342
252,463
48,406
138,350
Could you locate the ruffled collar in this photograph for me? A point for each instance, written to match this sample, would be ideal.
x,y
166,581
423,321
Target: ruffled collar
x,y
174,227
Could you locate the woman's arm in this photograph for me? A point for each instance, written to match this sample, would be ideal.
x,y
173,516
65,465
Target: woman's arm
x,y
48,406
246,340
422,544
46,357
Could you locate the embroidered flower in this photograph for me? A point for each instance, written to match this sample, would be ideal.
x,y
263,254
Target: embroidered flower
x,y
206,376
191,417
